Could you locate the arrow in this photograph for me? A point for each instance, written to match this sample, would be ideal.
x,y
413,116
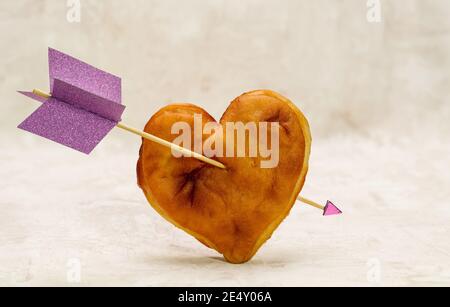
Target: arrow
x,y
85,105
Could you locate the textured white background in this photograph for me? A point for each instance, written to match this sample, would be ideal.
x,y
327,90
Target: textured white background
x,y
377,97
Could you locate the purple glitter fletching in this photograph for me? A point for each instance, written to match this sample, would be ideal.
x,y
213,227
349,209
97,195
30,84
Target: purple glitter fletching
x,y
85,104
84,76
68,125
88,101
33,96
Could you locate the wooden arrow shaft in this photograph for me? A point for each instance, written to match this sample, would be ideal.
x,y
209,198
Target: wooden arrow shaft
x,y
182,150
310,202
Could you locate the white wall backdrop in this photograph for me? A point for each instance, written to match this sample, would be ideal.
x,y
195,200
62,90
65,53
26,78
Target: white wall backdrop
x,y
346,73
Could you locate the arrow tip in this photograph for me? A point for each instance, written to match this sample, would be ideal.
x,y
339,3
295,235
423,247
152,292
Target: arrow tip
x,y
331,209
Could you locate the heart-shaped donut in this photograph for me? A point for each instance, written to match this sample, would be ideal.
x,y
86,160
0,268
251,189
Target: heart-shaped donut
x,y
233,210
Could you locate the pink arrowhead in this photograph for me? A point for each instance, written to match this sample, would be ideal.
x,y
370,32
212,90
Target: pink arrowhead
x,y
331,209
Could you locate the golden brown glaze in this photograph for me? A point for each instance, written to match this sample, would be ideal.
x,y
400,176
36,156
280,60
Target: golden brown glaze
x,y
233,210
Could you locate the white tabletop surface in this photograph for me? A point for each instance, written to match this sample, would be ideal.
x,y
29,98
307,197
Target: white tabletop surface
x,y
62,210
